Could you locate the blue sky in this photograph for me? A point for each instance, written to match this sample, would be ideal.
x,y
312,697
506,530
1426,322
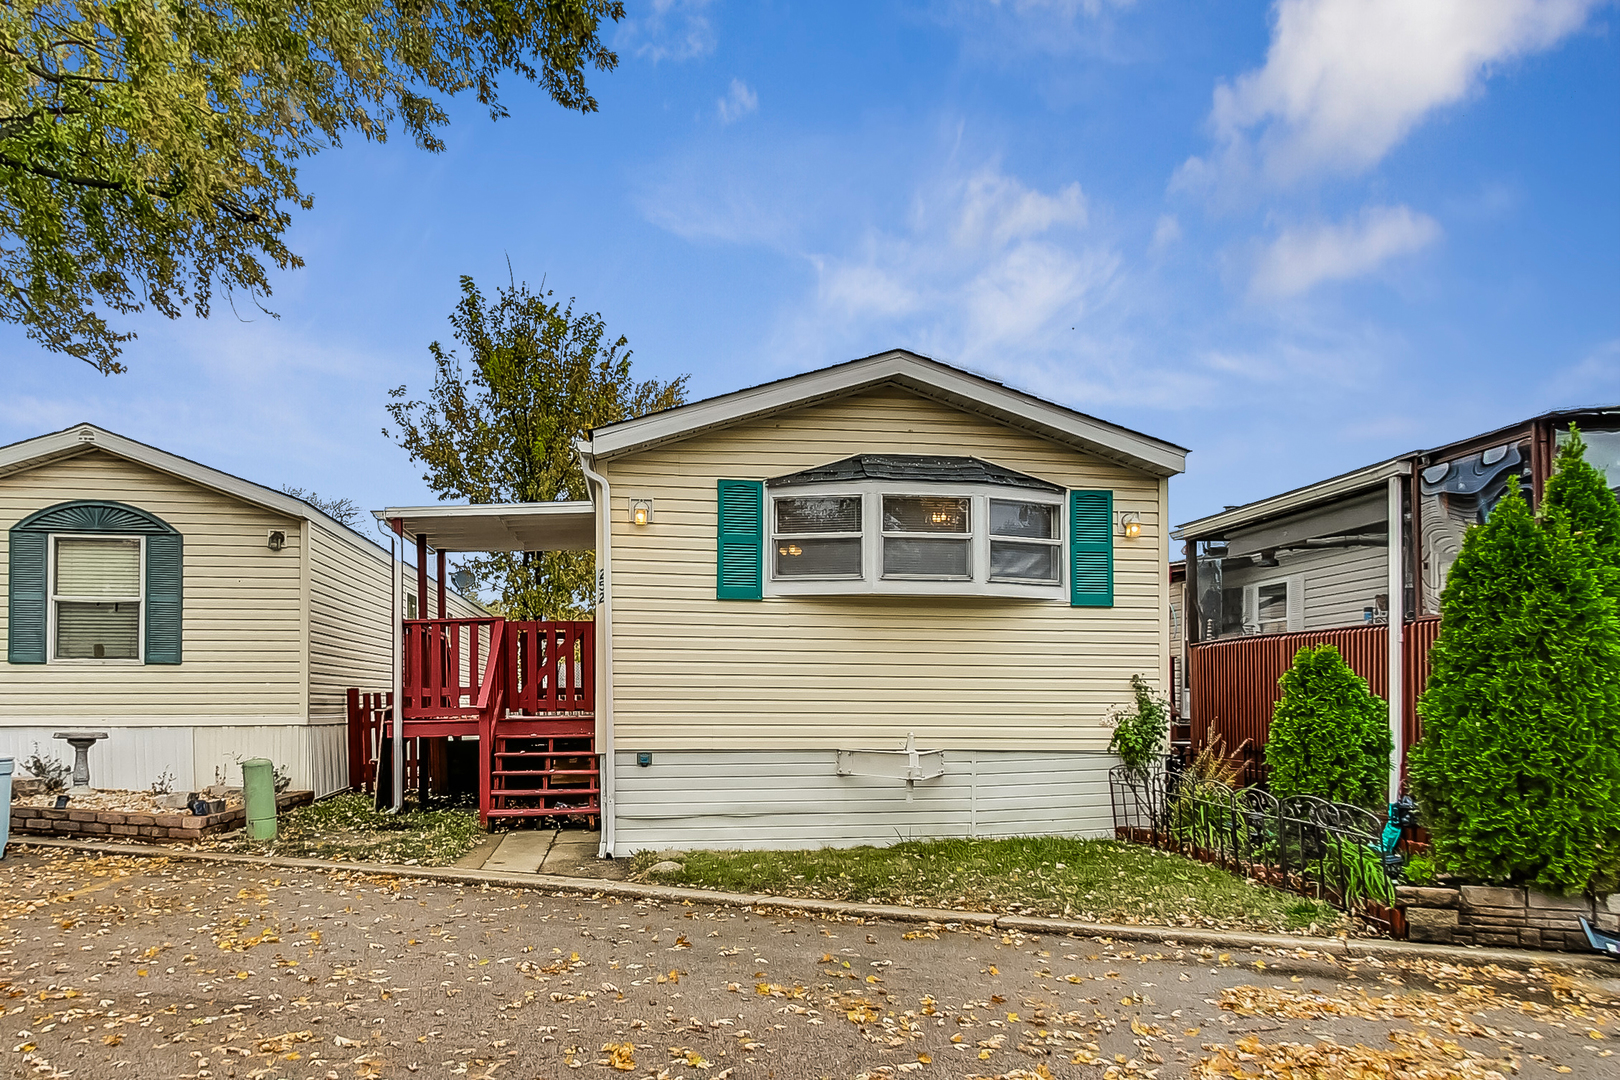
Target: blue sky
x,y
1295,237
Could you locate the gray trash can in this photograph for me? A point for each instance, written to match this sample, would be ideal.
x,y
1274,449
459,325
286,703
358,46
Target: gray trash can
x,y
7,765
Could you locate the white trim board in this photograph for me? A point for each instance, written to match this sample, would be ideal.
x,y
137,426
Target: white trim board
x,y
84,438
918,374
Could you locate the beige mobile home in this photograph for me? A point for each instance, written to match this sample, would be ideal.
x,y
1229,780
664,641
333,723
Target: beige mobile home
x,y
883,600
195,617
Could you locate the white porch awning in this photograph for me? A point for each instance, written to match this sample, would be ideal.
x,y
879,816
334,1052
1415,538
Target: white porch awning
x,y
552,526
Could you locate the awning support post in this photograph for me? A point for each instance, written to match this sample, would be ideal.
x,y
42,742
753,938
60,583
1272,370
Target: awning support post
x,y
399,667
1397,630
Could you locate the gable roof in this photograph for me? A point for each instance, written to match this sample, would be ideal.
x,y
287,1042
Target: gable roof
x,y
920,467
87,438
910,371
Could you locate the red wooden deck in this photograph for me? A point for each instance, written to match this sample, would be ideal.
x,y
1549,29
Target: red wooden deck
x,y
525,690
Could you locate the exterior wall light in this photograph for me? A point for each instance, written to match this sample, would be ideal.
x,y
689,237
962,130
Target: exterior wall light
x,y
641,511
1130,524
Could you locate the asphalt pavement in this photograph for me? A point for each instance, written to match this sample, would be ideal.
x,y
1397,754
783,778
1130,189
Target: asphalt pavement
x,y
120,966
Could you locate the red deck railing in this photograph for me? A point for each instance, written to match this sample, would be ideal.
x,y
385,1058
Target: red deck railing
x,y
448,663
527,690
551,667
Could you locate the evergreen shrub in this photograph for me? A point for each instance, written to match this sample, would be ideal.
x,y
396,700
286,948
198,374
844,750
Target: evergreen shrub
x,y
1518,771
1330,734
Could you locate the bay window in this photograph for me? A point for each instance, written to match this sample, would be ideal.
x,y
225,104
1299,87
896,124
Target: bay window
x,y
915,538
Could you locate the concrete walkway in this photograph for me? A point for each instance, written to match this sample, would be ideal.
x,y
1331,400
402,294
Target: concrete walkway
x,y
565,852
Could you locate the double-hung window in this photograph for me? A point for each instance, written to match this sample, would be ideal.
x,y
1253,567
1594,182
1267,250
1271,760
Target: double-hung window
x,y
1024,542
96,597
817,537
927,537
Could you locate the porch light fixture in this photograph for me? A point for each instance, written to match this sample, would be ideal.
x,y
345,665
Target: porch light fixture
x,y
276,540
641,511
1130,523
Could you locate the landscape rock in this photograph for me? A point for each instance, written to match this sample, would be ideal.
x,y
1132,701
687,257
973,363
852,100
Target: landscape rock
x,y
1492,896
1435,925
177,802
665,867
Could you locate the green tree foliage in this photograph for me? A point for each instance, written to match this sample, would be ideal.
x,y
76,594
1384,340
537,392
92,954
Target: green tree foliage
x,y
1329,735
503,429
1518,771
1140,728
148,150
1581,492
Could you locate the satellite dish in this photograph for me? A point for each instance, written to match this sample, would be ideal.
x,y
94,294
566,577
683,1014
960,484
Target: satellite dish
x,y
463,581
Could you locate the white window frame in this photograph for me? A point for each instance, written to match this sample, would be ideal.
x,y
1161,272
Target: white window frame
x,y
52,599
871,580
1293,604
816,493
975,558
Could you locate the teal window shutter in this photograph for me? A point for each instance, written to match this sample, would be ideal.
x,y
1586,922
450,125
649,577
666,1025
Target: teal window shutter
x,y
25,622
163,577
28,587
1091,548
740,555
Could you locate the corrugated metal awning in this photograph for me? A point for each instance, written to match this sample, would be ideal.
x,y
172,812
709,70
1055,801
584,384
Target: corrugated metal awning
x,y
554,526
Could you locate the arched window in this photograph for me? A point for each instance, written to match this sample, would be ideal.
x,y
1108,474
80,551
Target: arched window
x,y
94,581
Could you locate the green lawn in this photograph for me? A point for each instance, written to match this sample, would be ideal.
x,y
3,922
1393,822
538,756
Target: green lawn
x,y
1095,880
347,827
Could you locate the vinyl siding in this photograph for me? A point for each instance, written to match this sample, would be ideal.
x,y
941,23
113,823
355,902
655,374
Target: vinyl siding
x,y
1340,583
693,672
794,799
349,622
350,612
242,626
193,756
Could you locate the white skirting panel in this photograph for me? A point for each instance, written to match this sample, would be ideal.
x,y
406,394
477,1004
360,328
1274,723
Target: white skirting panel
x,y
135,757
794,799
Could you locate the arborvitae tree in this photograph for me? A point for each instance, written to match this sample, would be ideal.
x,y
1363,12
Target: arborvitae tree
x,y
1518,771
1582,493
1329,735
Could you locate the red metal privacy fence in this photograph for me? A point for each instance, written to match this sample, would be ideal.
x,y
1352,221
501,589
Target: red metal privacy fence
x,y
1234,690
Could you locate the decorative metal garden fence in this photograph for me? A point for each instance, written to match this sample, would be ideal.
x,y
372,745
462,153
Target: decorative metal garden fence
x,y
1319,849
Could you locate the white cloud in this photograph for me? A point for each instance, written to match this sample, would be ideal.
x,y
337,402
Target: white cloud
x,y
737,103
1346,80
668,30
1302,258
1166,232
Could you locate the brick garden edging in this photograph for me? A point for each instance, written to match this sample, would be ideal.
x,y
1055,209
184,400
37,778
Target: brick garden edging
x,y
1488,915
104,824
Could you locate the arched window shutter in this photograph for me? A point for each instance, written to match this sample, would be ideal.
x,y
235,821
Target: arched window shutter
x,y
740,555
28,586
25,624
1091,548
163,578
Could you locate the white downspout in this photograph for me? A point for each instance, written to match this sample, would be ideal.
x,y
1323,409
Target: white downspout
x,y
604,642
1397,633
398,684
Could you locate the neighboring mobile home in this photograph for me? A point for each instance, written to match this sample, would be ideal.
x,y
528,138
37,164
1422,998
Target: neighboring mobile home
x,y
1323,563
195,617
798,578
